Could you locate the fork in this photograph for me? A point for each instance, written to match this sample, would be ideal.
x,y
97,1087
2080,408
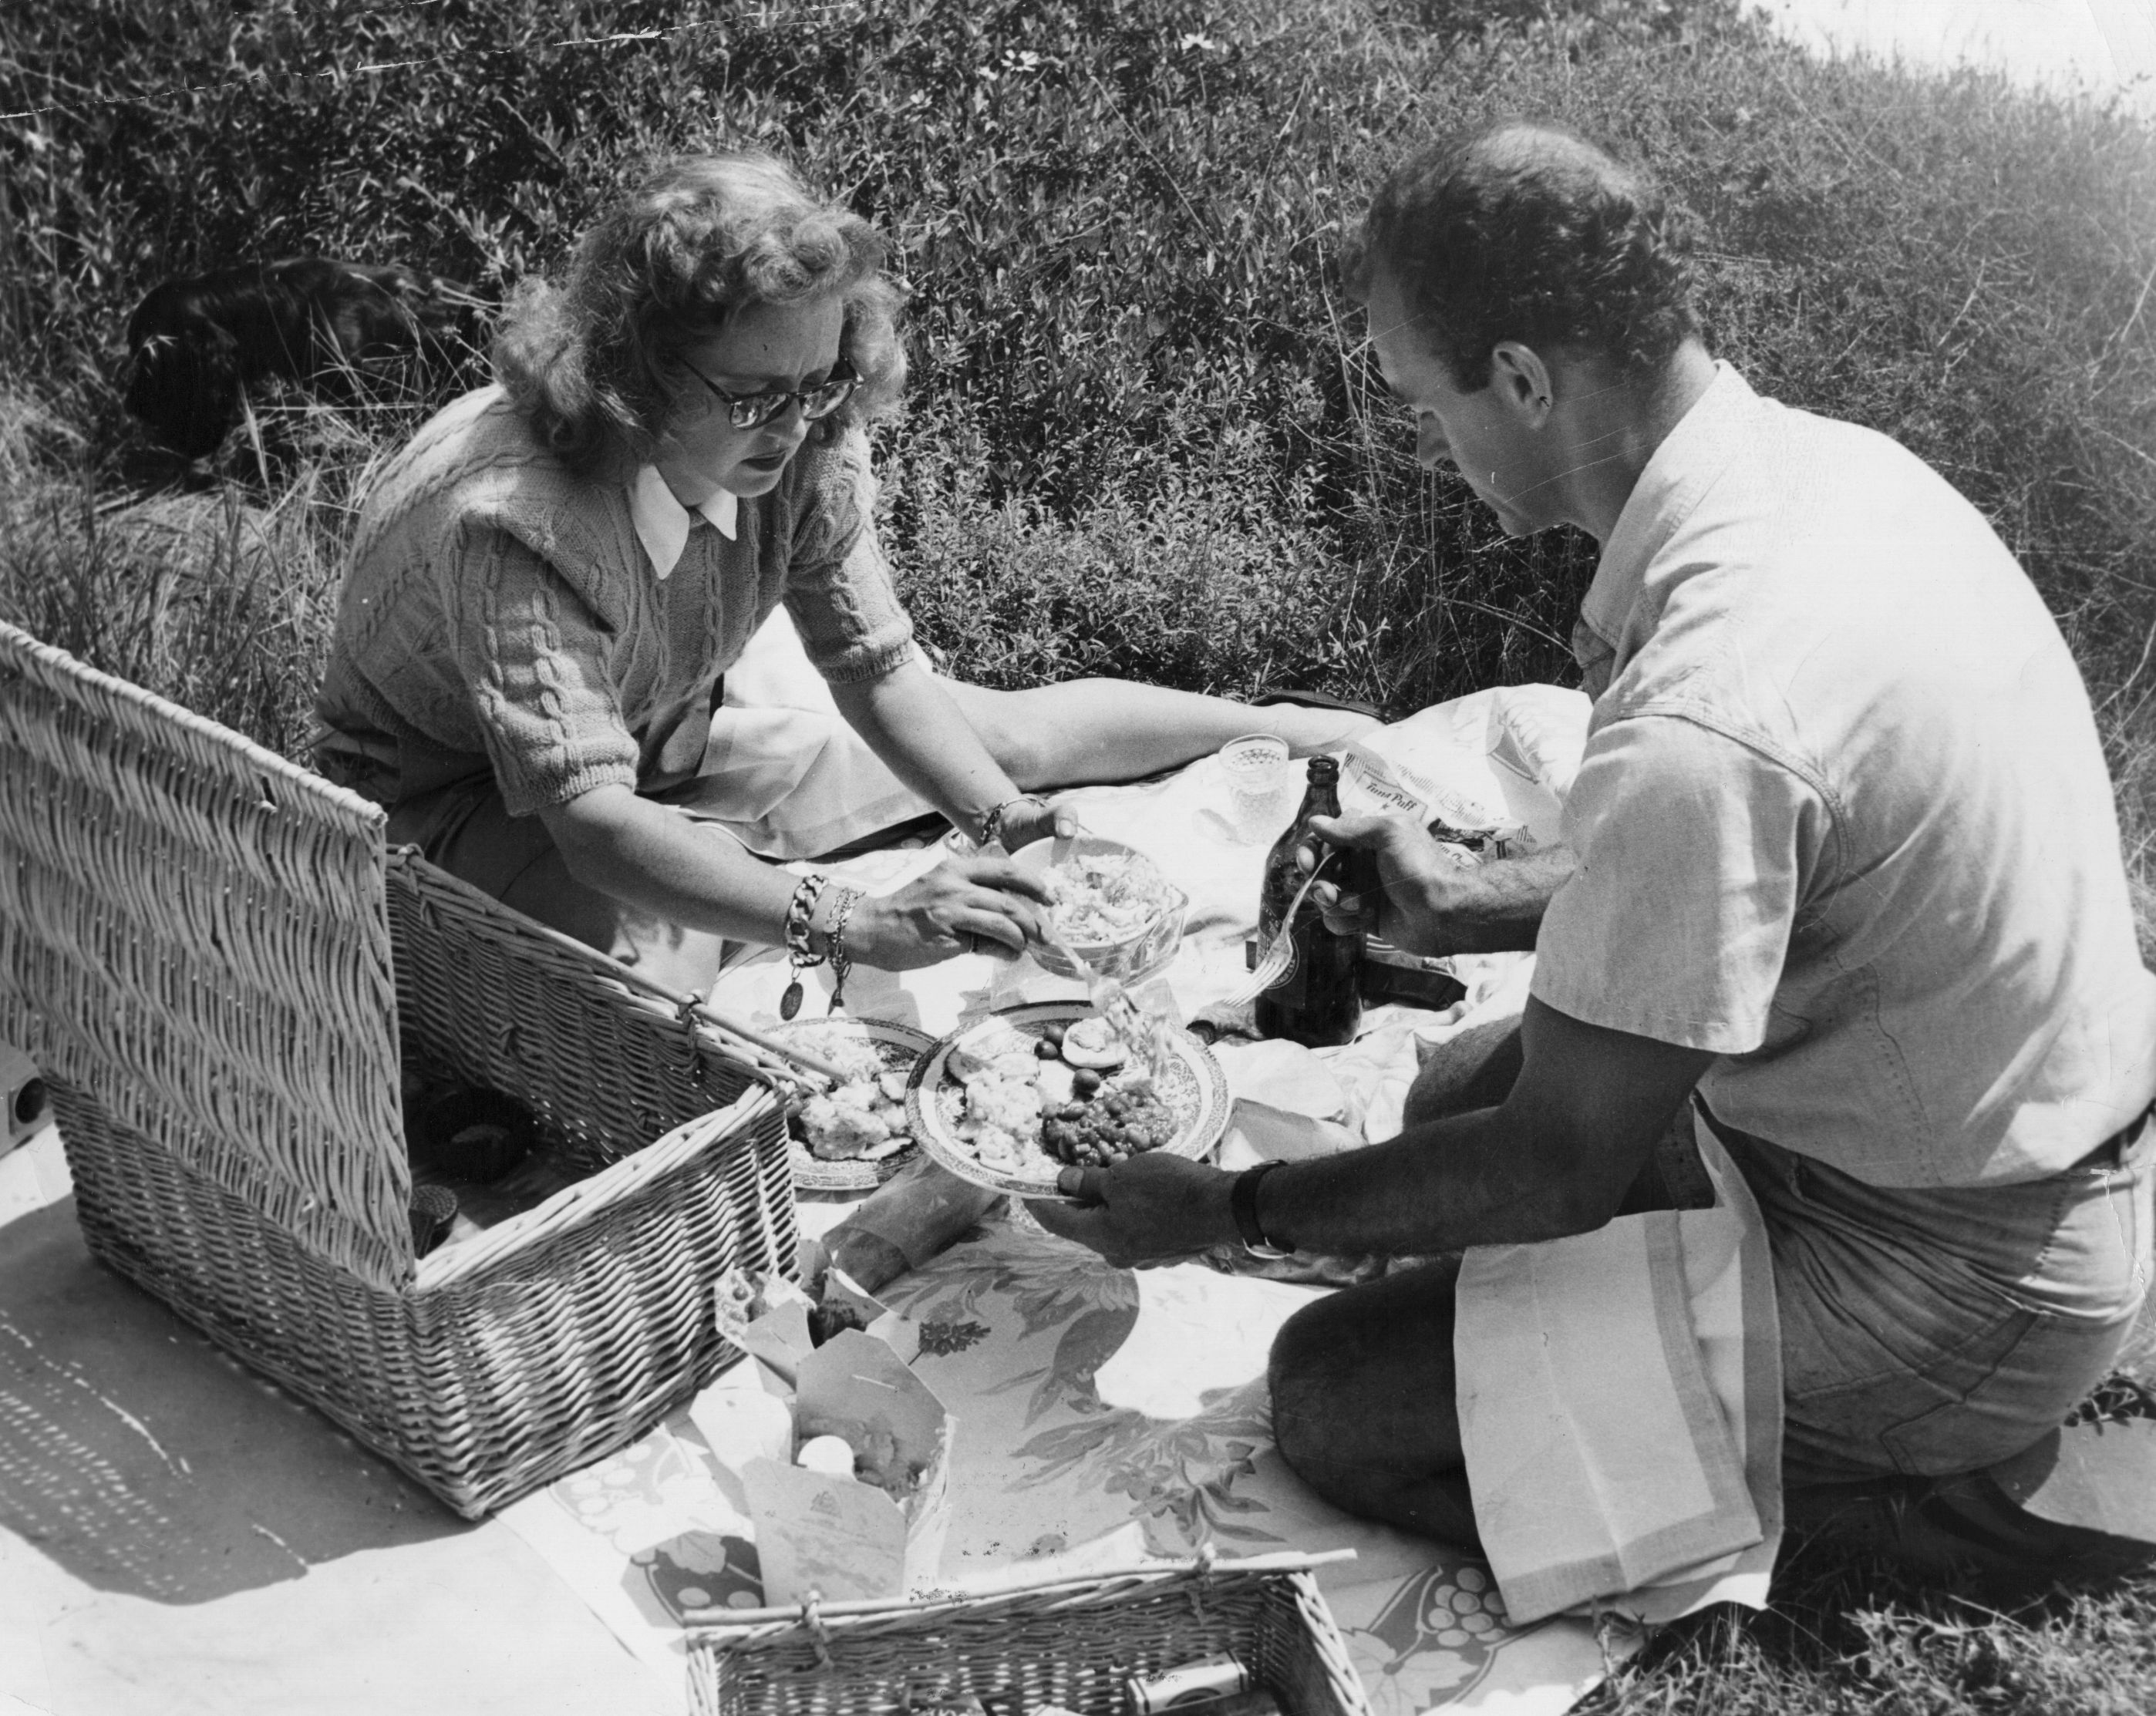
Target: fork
x,y
1145,1035
1274,966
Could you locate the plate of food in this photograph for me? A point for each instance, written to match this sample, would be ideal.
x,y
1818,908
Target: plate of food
x,y
1011,1101
859,1133
1113,907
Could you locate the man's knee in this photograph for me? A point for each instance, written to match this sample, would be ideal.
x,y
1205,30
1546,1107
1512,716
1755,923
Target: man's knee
x,y
1308,1391
1475,1068
1363,1410
1366,1375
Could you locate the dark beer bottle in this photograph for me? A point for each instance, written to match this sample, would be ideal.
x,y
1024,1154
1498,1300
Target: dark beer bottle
x,y
1319,1001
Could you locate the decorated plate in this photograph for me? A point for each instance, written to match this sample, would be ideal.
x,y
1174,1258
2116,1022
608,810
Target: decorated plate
x,y
1193,1090
900,1049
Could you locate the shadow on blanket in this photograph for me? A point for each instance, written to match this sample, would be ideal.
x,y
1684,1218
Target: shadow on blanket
x,y
143,1461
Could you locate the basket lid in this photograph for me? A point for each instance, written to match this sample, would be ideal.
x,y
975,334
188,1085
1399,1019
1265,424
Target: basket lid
x,y
196,934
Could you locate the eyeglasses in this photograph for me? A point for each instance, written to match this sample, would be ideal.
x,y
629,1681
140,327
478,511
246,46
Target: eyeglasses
x,y
752,411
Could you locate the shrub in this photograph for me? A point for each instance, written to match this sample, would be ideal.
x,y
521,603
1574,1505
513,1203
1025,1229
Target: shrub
x,y
1144,438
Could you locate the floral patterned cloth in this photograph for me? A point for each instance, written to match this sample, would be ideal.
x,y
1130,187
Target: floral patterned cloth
x,y
1089,1400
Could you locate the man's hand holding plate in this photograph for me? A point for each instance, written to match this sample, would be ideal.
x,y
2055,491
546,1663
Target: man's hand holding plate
x,y
1150,1208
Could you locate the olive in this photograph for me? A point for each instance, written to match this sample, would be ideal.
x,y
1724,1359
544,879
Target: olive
x,y
1052,1034
1045,1049
1084,1082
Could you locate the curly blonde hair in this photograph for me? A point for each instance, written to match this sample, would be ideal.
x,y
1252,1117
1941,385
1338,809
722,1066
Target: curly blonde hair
x,y
592,363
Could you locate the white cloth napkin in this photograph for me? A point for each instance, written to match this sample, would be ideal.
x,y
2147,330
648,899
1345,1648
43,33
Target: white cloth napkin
x,y
1620,1405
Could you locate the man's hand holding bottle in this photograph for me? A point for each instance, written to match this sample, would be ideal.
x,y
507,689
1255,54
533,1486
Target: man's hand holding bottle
x,y
1429,898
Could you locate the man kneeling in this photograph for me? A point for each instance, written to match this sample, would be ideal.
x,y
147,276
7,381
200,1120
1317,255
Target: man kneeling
x,y
1841,867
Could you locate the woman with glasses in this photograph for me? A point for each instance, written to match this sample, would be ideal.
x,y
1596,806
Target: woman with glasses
x,y
550,582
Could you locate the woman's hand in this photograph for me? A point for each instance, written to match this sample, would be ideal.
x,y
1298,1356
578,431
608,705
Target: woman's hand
x,y
963,905
1031,818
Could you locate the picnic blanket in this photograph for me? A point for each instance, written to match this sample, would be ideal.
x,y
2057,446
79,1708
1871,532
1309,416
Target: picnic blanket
x,y
1102,1414
1621,1398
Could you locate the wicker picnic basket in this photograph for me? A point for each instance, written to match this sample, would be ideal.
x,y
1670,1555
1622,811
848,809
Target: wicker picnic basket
x,y
222,968
1070,1642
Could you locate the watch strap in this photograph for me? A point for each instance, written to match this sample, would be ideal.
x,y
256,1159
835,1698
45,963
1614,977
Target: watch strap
x,y
1242,1205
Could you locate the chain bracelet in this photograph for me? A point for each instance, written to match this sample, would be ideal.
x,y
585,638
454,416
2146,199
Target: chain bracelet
x,y
834,943
991,823
798,910
799,957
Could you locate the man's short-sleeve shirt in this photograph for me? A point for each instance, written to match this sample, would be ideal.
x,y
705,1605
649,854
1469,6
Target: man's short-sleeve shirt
x,y
1843,816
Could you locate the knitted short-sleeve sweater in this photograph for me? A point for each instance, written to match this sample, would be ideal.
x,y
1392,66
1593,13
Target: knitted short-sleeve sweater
x,y
499,615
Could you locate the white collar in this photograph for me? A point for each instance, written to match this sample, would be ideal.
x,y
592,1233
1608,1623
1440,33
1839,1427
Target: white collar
x,y
662,523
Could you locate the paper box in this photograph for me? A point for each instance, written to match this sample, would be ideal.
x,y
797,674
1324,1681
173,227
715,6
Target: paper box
x,y
842,1536
775,1322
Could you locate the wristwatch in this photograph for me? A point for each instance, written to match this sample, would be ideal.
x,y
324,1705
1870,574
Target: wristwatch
x,y
1243,1204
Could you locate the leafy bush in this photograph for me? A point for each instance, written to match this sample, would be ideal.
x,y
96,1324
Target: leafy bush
x,y
1145,438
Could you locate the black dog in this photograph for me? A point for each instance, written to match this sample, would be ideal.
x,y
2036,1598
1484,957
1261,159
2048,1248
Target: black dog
x,y
195,345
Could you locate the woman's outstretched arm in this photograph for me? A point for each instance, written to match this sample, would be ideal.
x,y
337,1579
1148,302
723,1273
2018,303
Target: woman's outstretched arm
x,y
651,856
1087,731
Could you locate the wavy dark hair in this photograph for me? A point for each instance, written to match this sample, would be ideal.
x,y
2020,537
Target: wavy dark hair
x,y
593,363
1523,231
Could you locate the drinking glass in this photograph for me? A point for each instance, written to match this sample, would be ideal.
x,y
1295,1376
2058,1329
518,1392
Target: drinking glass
x,y
1256,769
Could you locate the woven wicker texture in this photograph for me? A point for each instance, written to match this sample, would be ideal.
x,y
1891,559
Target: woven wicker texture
x,y
1071,1644
502,1377
490,999
214,959
194,931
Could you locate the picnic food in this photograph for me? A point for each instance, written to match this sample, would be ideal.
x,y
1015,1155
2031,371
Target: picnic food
x,y
1093,1042
1113,914
873,1449
1021,1106
831,1454
826,1320
1103,897
863,1116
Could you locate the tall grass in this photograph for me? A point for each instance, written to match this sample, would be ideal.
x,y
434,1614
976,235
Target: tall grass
x,y
1144,437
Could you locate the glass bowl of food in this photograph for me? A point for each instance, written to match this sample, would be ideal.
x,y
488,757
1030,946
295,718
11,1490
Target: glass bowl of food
x,y
1114,908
